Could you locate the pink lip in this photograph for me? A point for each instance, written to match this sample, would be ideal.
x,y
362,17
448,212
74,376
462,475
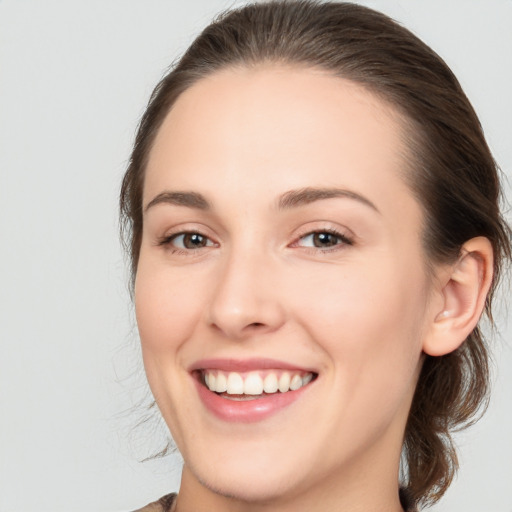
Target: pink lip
x,y
247,411
244,365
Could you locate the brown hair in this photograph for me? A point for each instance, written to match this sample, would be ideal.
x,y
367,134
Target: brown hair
x,y
453,175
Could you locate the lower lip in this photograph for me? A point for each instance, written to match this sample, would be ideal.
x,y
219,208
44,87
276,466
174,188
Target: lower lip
x,y
247,411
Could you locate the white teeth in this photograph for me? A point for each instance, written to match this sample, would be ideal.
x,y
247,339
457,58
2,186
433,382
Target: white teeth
x,y
221,384
253,384
235,384
307,379
270,384
284,382
296,382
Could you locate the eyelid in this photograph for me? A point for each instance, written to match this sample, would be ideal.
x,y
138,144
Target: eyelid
x,y
166,241
346,237
183,234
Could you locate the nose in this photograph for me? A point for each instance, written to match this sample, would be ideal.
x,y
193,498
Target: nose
x,y
245,301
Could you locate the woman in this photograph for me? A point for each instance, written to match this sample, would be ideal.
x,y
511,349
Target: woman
x,y
312,217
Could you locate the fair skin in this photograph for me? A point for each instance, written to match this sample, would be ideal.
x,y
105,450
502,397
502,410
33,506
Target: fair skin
x,y
238,263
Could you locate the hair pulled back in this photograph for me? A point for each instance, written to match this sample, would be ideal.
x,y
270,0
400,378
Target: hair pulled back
x,y
452,173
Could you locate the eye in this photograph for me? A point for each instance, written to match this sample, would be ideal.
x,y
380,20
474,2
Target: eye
x,y
187,241
323,240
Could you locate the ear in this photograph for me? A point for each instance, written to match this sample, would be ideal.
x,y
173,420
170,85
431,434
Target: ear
x,y
461,293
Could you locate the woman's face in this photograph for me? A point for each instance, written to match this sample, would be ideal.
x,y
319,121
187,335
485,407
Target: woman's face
x,y
281,248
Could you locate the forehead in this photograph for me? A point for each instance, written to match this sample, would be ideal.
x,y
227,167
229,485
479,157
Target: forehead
x,y
278,128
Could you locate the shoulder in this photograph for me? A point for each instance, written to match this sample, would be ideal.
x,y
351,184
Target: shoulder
x,y
164,504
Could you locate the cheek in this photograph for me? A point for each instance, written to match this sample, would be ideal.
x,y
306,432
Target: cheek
x,y
167,312
371,296
166,305
368,320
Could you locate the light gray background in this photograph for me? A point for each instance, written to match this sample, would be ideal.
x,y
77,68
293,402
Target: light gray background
x,y
74,79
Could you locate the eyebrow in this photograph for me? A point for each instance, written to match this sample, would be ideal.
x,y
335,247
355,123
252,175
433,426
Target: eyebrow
x,y
303,196
187,199
290,199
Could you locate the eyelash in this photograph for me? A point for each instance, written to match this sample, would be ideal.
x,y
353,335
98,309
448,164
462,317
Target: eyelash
x,y
167,242
343,240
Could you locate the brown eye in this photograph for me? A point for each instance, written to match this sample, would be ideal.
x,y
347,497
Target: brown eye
x,y
190,241
323,240
194,240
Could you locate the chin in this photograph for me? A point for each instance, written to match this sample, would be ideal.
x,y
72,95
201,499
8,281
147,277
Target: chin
x,y
258,481
249,487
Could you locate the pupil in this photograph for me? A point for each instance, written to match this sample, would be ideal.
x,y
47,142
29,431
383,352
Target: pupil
x,y
193,241
325,240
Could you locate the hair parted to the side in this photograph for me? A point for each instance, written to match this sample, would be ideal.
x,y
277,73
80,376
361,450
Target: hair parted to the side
x,y
452,173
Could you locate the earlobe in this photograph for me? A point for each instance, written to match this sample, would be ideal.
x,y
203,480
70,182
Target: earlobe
x,y
463,292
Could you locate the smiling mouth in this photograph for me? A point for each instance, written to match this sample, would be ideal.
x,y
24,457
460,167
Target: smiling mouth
x,y
253,385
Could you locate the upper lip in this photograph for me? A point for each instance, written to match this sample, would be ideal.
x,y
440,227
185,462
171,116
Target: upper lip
x,y
245,365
